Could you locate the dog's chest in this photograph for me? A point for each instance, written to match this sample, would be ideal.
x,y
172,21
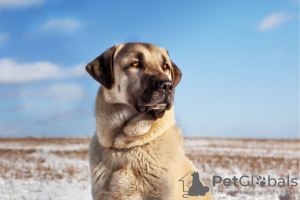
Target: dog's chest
x,y
140,173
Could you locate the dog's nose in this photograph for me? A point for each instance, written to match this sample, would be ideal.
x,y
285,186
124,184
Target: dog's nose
x,y
165,85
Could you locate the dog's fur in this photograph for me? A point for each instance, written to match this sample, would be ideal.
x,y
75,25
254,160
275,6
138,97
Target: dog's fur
x,y
136,152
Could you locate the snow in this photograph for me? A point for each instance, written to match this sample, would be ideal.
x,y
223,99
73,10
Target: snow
x,y
48,169
44,189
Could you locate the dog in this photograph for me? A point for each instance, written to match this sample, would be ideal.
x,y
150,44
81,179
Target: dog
x,y
136,152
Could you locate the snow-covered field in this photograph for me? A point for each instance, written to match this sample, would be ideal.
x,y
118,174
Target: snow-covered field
x,y
44,169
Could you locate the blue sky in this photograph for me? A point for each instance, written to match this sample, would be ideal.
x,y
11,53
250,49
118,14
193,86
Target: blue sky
x,y
240,63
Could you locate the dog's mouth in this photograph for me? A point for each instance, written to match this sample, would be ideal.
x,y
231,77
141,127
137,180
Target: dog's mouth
x,y
159,106
156,111
154,103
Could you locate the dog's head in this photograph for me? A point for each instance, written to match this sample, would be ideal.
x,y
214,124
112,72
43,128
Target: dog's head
x,y
140,75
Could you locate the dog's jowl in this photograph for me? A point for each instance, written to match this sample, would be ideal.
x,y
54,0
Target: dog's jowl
x,y
136,152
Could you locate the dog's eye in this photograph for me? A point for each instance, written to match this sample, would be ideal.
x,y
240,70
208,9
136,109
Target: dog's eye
x,y
166,66
135,64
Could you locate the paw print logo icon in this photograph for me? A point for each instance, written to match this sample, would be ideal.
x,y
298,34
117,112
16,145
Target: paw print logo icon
x,y
261,181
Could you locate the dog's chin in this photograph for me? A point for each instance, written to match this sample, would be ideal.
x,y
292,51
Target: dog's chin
x,y
155,110
157,113
152,113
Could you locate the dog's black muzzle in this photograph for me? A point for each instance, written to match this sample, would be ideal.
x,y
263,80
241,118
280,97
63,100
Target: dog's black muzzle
x,y
157,98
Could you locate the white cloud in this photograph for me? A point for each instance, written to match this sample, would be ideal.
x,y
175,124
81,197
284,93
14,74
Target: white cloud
x,y
64,92
295,2
19,3
59,114
64,25
272,21
79,70
15,94
26,106
279,52
13,72
4,37
53,93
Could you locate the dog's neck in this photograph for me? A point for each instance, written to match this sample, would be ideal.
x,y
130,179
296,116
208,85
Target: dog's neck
x,y
121,126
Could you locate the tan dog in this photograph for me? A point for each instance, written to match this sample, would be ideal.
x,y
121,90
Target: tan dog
x,y
137,151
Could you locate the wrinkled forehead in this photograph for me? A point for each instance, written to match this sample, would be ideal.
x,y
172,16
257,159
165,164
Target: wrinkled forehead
x,y
148,52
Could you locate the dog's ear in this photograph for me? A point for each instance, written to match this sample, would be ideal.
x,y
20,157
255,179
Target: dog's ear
x,y
176,74
101,69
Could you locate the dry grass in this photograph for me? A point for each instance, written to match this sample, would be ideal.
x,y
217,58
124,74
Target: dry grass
x,y
21,158
277,158
52,159
28,141
74,154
